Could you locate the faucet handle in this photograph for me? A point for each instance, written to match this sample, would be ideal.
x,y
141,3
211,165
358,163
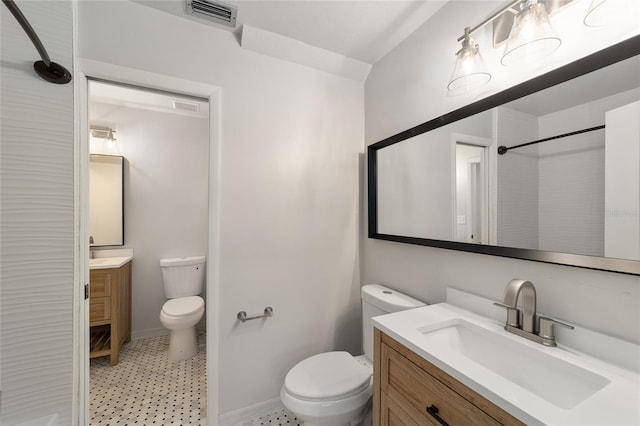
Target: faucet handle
x,y
513,314
546,327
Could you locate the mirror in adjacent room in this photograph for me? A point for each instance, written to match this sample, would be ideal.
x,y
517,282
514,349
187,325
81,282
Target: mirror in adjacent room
x,y
106,213
569,197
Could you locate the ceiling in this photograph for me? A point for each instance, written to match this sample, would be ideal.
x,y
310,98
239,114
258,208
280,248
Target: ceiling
x,y
365,30
114,94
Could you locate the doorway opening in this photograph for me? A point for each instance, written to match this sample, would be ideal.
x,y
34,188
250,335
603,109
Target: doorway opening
x,y
471,201
168,160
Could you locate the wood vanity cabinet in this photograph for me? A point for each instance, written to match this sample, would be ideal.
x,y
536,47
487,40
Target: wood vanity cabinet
x,y
407,387
109,311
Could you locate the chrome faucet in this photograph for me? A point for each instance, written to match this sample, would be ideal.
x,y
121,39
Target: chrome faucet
x,y
523,323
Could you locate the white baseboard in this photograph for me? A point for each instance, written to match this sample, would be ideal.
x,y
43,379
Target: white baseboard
x,y
250,412
155,332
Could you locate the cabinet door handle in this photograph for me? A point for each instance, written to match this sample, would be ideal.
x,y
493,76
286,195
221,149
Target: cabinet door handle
x,y
433,410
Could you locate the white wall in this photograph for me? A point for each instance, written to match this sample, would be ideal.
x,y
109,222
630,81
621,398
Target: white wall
x,y
622,197
290,140
165,197
408,87
37,208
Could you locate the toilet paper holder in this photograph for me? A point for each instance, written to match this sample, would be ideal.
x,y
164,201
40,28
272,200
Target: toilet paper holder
x,y
242,315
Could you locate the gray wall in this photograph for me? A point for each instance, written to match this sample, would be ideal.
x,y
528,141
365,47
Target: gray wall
x,y
165,197
517,206
415,180
572,177
37,222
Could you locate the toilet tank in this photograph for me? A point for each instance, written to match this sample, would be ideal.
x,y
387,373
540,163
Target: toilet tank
x,y
182,276
380,300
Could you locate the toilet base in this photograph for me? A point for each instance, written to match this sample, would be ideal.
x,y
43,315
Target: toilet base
x,y
351,411
182,344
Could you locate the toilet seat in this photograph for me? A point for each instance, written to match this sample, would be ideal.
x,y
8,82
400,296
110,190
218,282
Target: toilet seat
x,y
183,306
328,376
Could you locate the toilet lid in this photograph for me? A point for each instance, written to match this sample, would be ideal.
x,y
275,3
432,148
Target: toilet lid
x,y
183,306
327,376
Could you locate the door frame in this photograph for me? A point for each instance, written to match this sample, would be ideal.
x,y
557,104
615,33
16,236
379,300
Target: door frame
x,y
85,70
488,177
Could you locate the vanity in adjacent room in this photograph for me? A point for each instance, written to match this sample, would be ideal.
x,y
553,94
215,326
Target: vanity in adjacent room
x,y
109,268
109,306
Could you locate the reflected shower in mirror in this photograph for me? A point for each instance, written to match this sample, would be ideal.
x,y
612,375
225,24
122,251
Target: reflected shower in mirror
x,y
566,180
106,209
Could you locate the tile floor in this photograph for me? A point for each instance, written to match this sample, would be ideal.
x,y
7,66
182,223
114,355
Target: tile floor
x,y
145,388
279,418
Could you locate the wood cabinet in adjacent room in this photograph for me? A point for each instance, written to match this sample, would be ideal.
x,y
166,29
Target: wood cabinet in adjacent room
x,y
410,391
109,311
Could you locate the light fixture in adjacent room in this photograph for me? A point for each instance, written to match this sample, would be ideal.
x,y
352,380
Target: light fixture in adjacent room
x,y
532,37
470,70
106,133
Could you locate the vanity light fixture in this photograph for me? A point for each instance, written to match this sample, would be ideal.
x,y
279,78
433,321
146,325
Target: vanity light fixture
x,y
532,37
602,13
101,132
470,70
106,133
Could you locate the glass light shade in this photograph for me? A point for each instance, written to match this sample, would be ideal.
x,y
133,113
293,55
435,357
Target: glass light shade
x,y
532,37
602,13
109,143
470,70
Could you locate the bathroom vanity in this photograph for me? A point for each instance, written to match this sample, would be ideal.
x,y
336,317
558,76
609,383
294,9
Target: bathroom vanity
x,y
409,390
109,306
446,365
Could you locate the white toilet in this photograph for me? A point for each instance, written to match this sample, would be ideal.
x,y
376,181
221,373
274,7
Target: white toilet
x,y
334,388
183,280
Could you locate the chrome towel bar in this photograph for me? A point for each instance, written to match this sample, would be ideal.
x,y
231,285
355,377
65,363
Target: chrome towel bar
x,y
268,312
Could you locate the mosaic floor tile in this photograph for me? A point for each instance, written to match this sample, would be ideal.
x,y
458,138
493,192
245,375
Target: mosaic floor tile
x,y
279,418
145,388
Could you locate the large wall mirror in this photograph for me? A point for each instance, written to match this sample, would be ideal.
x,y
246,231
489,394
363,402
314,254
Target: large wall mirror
x,y
106,205
548,170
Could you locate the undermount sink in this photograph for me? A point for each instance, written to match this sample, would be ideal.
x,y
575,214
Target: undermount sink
x,y
559,382
109,262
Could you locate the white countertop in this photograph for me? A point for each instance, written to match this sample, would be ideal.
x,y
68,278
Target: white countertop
x,y
110,258
109,262
616,403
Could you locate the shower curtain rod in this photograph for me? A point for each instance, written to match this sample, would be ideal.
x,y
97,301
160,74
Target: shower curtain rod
x,y
503,149
46,68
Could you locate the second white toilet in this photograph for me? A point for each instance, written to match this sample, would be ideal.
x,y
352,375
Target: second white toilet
x,y
334,388
183,280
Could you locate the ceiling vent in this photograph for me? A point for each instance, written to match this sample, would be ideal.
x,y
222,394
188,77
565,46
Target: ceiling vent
x,y
222,13
185,106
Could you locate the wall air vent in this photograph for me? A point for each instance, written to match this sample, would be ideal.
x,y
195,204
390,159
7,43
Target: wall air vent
x,y
185,106
221,13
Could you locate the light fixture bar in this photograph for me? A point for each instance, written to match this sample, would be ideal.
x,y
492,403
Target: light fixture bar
x,y
102,132
493,17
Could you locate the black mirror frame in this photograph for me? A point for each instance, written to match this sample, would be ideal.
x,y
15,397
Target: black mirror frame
x,y
611,55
